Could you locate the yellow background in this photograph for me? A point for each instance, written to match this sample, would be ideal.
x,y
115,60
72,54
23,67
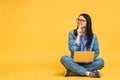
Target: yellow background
x,y
34,35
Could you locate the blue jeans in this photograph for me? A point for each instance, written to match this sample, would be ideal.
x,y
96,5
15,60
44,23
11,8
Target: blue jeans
x,y
81,68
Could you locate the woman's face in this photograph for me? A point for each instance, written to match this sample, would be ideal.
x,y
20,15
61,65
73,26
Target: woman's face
x,y
81,23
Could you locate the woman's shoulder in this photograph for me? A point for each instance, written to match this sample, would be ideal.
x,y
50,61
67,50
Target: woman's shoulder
x,y
94,36
71,32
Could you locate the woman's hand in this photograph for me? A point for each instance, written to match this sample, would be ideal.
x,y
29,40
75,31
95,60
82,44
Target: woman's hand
x,y
79,32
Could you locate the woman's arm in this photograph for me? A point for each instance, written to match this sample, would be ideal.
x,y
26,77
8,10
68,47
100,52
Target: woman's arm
x,y
96,46
73,43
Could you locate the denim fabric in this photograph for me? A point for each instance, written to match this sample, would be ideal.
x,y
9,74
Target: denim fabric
x,y
81,68
77,47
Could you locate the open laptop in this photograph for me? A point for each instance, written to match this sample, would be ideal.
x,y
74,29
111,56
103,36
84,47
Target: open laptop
x,y
83,56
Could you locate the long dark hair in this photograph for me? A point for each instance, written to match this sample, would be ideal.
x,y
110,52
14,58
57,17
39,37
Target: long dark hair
x,y
89,32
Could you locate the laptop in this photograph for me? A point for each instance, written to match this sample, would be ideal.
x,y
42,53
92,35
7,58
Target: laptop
x,y
83,56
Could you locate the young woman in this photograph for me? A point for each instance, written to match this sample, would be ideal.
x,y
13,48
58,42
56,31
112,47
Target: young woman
x,y
83,39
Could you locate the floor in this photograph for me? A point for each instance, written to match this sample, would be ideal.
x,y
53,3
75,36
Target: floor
x,y
23,67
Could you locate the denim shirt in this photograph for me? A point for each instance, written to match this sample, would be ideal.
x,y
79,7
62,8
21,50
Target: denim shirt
x,y
73,46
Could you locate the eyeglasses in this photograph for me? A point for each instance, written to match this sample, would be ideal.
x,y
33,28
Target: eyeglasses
x,y
81,20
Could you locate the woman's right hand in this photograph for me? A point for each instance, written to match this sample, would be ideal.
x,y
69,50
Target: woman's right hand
x,y
79,31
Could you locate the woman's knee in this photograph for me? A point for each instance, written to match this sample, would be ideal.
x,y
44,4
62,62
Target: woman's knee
x,y
65,58
101,61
